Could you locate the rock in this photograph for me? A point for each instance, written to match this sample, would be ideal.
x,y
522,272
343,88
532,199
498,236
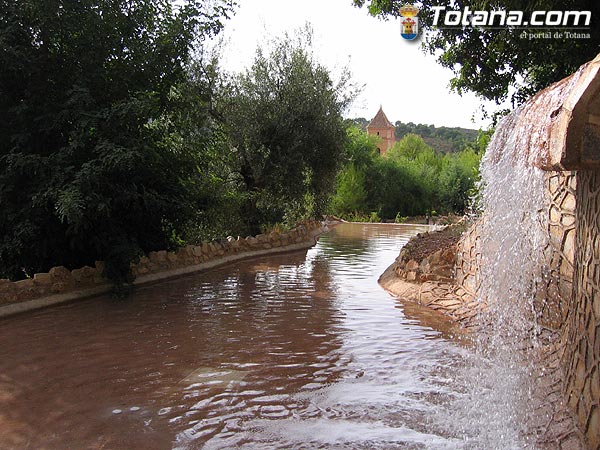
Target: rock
x,y
412,265
411,276
99,265
435,257
60,273
42,279
443,271
449,255
185,253
140,270
24,284
58,287
158,257
7,292
85,275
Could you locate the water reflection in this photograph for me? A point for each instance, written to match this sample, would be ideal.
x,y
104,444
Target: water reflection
x,y
302,350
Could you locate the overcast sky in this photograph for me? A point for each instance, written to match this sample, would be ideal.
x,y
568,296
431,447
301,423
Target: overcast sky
x,y
410,85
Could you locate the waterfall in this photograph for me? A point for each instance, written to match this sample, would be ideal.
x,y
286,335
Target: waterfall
x,y
498,375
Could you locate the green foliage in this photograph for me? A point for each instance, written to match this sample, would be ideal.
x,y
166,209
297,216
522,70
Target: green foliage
x,y
119,135
410,179
493,62
400,219
411,147
372,217
351,194
360,148
94,164
287,133
442,139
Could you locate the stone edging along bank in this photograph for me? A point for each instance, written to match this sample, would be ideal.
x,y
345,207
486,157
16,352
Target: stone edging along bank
x,y
60,285
438,279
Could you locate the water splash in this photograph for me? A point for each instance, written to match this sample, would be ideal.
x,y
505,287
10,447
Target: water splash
x,y
514,234
498,399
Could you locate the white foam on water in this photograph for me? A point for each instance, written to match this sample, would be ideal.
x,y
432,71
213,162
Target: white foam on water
x,y
497,377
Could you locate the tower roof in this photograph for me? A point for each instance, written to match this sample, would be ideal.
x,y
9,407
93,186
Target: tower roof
x,y
380,120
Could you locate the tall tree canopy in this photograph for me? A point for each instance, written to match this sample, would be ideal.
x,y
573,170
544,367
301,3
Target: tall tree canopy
x,y
91,167
502,62
285,123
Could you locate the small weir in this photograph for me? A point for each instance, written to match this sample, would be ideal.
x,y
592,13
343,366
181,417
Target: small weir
x,y
302,350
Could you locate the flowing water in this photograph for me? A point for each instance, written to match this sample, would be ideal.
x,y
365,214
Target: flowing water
x,y
302,350
500,409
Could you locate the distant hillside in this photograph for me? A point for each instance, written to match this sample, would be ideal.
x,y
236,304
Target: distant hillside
x,y
442,139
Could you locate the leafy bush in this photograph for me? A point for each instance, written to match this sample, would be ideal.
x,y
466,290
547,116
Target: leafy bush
x,y
92,161
287,135
410,179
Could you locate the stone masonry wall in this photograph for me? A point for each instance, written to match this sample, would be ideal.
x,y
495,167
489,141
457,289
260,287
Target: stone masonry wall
x,y
431,280
567,304
581,337
61,284
555,292
468,259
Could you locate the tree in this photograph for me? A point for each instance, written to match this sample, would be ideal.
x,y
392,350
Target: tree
x,y
92,164
498,62
361,148
284,118
457,180
411,146
351,195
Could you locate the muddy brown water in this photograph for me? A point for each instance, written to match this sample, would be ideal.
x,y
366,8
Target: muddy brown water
x,y
301,350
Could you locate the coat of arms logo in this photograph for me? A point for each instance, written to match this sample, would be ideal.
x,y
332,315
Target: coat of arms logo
x,y
409,22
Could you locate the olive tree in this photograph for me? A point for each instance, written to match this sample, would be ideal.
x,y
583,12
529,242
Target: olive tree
x,y
284,118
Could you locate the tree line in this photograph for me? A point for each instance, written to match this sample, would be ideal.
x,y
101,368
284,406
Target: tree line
x,y
120,134
409,179
443,139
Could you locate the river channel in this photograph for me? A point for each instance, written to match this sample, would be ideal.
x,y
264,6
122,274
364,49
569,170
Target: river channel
x,y
299,350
